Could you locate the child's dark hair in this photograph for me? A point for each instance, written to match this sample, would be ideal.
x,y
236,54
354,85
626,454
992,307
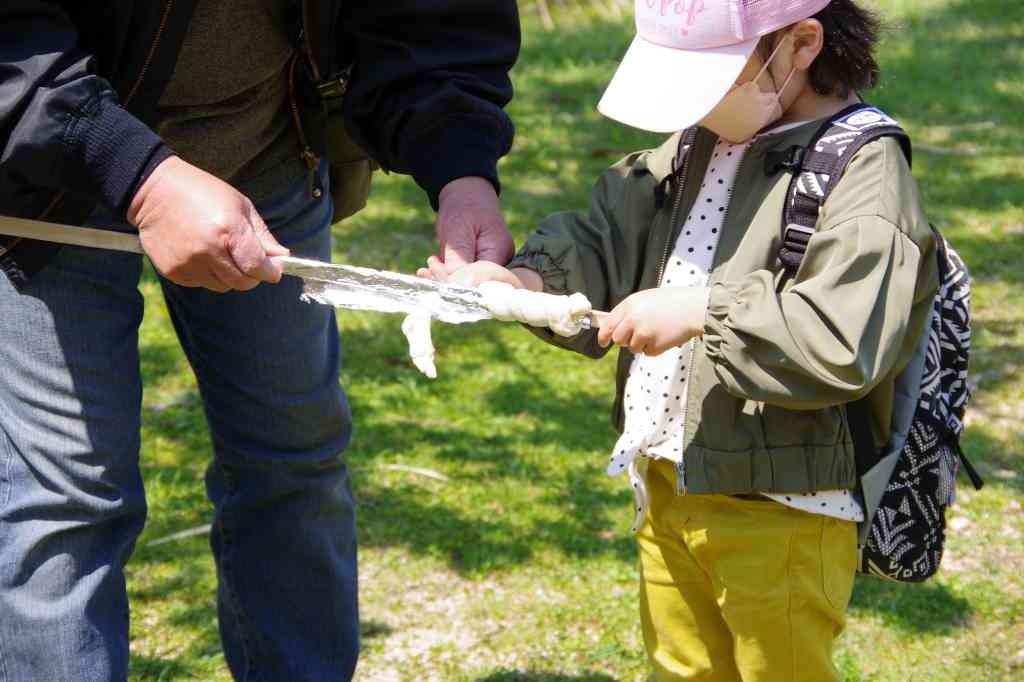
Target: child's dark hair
x,y
847,61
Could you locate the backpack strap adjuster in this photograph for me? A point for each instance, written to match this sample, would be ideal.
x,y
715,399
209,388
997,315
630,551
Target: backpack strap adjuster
x,y
791,160
794,244
817,168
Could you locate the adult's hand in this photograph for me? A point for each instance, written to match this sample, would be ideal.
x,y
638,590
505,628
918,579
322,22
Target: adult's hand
x,y
470,225
200,231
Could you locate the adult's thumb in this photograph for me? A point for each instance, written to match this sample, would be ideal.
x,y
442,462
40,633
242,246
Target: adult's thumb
x,y
267,239
251,254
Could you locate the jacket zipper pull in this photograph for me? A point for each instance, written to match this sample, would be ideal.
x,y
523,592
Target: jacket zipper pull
x,y
312,163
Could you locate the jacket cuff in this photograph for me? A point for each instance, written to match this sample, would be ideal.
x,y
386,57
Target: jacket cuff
x,y
455,149
116,149
721,298
550,268
160,154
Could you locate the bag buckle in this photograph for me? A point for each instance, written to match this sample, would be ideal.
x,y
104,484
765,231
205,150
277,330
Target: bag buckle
x,y
791,159
332,89
335,86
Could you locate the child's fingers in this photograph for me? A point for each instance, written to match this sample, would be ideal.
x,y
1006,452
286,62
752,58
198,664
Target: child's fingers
x,y
654,350
437,269
623,333
656,345
468,276
640,341
608,326
425,273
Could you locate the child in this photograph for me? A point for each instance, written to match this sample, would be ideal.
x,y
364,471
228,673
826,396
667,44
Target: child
x,y
733,373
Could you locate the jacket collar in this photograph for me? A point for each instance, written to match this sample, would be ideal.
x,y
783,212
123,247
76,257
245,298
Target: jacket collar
x,y
661,162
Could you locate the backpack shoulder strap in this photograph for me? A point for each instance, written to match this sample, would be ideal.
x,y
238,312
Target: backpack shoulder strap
x,y
818,167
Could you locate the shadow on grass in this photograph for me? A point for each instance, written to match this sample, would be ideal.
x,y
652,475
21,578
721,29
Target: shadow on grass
x,y
946,66
152,668
927,607
403,514
938,72
988,455
206,645
399,516
530,676
369,629
161,360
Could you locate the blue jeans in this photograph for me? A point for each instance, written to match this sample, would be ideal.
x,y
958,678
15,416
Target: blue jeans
x,y
71,495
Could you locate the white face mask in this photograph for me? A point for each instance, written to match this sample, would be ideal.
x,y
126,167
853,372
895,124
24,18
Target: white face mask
x,y
746,109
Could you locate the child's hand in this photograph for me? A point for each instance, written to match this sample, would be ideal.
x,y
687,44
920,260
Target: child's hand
x,y
470,275
654,320
479,272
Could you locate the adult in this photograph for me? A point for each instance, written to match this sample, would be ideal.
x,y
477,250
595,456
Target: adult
x,y
211,127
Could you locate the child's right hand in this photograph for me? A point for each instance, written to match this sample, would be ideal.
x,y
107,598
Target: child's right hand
x,y
653,320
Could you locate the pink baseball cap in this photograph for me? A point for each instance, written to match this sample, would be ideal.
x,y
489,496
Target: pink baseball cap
x,y
687,54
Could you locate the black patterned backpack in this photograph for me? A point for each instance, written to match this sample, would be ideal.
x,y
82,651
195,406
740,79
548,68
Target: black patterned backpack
x,y
907,485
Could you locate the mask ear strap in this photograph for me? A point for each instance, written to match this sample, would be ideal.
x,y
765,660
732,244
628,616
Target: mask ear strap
x,y
770,58
792,72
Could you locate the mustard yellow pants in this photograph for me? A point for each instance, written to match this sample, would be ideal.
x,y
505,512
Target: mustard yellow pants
x,y
741,589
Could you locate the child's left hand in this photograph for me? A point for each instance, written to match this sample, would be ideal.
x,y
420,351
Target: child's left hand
x,y
654,320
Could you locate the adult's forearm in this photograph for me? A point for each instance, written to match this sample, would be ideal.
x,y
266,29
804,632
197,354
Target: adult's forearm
x,y
60,124
429,85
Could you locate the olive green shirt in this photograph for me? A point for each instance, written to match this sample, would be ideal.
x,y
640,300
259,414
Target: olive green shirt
x,y
226,108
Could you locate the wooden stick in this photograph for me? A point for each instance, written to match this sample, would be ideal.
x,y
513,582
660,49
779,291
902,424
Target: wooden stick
x,y
592,319
182,534
70,234
128,242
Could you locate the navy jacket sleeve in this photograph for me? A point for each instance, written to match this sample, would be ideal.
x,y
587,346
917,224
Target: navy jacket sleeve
x,y
61,125
430,83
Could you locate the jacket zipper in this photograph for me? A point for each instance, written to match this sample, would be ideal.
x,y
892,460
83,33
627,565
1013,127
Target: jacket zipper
x,y
681,482
307,154
152,51
681,469
676,206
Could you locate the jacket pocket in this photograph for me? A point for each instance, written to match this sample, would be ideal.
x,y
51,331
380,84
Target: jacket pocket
x,y
790,428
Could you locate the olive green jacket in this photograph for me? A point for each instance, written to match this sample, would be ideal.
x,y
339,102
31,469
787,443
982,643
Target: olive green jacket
x,y
780,354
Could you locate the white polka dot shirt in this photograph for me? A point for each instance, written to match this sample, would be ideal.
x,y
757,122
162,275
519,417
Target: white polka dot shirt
x,y
655,400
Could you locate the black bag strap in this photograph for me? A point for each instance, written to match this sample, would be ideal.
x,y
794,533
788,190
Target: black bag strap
x,y
818,167
972,473
865,453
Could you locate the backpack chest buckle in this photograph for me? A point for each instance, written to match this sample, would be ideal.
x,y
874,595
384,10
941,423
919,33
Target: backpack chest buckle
x,y
791,160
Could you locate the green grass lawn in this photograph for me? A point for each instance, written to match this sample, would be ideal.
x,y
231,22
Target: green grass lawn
x,y
520,565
